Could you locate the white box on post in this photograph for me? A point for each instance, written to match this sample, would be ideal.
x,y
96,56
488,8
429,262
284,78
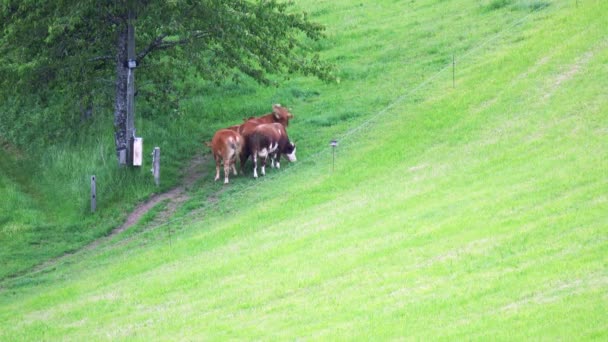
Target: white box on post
x,y
138,149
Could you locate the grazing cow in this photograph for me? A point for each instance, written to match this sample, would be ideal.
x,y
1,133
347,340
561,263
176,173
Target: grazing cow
x,y
246,129
226,145
279,114
269,139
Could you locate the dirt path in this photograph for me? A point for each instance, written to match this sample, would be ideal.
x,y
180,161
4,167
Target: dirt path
x,y
176,197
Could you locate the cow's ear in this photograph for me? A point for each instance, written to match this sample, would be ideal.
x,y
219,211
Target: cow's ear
x,y
208,143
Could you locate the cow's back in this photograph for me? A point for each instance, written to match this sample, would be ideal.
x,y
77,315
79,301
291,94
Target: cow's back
x,y
226,143
279,115
265,137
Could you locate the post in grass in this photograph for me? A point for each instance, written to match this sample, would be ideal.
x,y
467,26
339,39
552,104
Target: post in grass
x,y
333,144
93,194
156,165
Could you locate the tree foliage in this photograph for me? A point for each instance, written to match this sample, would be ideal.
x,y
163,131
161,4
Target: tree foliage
x,y
68,53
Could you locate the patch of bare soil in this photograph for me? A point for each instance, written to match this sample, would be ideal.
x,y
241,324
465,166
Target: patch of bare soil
x,y
195,171
176,196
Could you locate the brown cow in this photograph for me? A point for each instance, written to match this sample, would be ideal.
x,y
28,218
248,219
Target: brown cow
x,y
268,139
279,114
226,145
246,129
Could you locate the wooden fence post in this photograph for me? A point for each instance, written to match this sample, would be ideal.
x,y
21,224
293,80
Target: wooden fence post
x,y
156,165
93,194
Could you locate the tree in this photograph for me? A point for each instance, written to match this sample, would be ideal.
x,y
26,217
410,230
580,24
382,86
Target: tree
x,y
74,45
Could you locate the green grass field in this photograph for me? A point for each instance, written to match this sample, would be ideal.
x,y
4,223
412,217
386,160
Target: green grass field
x,y
473,210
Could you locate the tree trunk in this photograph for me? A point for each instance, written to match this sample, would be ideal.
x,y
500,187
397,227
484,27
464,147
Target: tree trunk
x,y
120,107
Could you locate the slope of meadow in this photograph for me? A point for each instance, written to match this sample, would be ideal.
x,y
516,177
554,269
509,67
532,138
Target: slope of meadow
x,y
466,210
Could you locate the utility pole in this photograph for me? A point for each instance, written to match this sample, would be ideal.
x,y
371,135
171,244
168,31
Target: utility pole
x,y
131,64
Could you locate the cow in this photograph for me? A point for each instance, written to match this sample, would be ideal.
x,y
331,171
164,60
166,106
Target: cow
x,y
245,130
279,115
226,145
269,139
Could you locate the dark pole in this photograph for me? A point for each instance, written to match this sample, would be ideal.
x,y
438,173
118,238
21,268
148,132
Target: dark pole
x,y
131,64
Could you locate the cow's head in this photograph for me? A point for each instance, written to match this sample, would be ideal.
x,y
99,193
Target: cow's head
x,y
290,151
281,114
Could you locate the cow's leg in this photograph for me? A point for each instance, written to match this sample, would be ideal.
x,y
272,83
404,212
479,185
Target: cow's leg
x,y
217,167
255,164
264,165
232,159
226,169
244,156
278,160
273,157
272,153
233,164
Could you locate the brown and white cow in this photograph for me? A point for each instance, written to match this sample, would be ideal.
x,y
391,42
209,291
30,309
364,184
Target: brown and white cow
x,y
226,145
246,129
269,139
279,115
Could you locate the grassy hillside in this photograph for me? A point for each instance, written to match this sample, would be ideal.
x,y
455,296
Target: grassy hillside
x,y
471,211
